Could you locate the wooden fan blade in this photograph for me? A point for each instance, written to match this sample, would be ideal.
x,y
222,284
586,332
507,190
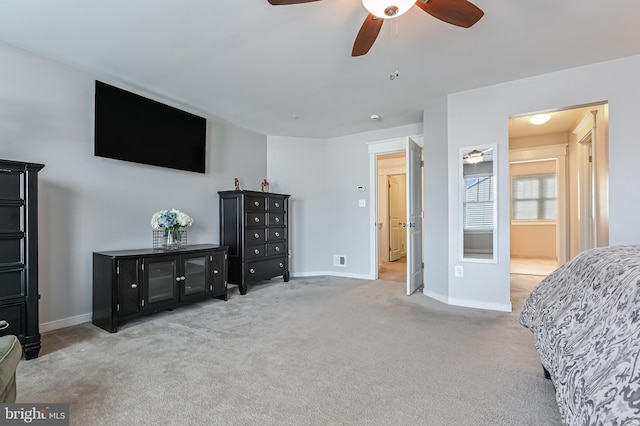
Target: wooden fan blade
x,y
283,2
367,35
456,12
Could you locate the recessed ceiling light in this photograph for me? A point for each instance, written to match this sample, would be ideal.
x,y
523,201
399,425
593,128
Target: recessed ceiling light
x,y
539,119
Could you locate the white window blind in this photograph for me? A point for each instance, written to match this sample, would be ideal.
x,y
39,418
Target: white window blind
x,y
534,197
478,202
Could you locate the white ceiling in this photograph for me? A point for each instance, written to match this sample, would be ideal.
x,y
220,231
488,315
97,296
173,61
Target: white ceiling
x,y
259,65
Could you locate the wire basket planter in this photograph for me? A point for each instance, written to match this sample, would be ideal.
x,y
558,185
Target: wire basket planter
x,y
167,239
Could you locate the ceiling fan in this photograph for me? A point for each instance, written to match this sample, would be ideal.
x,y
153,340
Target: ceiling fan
x,y
456,12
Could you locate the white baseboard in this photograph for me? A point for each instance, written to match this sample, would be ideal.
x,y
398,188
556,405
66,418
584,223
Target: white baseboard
x,y
64,323
332,274
501,307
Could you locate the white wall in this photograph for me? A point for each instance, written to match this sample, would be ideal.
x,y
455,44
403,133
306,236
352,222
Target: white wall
x,y
480,116
88,203
298,166
322,176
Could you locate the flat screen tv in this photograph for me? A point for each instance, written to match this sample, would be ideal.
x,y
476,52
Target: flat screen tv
x,y
133,128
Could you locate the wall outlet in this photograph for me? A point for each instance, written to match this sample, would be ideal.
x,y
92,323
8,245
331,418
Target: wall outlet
x,y
339,260
459,271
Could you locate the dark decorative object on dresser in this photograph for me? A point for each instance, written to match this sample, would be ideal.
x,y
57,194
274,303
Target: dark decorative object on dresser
x,y
19,253
131,283
254,225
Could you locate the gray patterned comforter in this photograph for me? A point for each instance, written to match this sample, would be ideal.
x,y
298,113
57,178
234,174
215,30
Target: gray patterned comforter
x,y
585,318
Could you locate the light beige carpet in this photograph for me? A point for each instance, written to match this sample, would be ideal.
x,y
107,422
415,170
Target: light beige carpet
x,y
314,351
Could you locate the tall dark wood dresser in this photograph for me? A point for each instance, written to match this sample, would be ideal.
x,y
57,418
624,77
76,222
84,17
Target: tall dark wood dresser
x,y
19,253
255,227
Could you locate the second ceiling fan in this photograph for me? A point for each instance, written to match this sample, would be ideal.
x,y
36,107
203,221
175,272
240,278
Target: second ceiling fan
x,y
456,12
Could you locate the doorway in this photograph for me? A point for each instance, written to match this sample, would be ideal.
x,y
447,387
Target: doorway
x,y
558,186
405,175
392,201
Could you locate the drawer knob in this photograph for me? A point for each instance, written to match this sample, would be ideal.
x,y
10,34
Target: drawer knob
x,y
215,271
277,204
277,219
134,285
256,235
256,251
277,234
277,248
281,265
253,271
3,324
256,219
255,203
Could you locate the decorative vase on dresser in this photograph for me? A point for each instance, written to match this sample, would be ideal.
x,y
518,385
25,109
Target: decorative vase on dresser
x,y
254,226
19,253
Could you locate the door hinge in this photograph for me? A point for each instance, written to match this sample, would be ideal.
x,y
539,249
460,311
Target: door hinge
x,y
591,158
422,265
118,270
421,163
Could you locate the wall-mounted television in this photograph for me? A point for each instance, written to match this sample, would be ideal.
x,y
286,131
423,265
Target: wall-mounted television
x,y
133,128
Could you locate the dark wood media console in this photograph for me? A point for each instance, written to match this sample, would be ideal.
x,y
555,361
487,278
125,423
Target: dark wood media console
x,y
131,283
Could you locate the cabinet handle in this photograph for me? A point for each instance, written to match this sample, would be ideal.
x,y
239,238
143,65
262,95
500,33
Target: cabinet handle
x,y
180,278
277,248
277,219
134,285
281,265
215,271
277,204
255,203
277,234
3,324
256,235
253,271
256,251
256,219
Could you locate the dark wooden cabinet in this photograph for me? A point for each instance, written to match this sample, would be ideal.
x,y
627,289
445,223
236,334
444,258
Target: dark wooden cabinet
x,y
130,283
19,254
255,227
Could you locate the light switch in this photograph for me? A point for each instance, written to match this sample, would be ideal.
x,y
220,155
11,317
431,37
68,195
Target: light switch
x,y
362,203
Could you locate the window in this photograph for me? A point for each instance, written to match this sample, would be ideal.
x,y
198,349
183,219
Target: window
x,y
478,202
534,197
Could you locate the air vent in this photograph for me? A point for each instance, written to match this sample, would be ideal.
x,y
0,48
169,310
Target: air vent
x,y
339,260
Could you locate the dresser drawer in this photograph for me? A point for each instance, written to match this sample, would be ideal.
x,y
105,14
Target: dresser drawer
x,y
253,202
275,234
276,219
255,251
10,185
261,269
10,218
276,204
255,236
11,251
11,283
12,319
274,249
255,219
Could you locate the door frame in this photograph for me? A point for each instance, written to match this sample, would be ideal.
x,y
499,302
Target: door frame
x,y
387,146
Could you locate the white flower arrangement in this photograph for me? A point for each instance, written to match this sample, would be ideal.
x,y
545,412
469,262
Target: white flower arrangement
x,y
171,220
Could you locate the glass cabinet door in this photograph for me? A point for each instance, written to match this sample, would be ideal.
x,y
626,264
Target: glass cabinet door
x,y
161,281
194,277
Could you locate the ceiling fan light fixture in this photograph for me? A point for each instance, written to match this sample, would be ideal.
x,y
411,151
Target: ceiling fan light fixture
x,y
539,119
474,157
388,8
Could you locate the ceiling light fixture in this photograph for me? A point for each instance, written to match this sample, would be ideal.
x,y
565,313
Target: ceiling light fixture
x,y
539,119
474,157
375,117
388,8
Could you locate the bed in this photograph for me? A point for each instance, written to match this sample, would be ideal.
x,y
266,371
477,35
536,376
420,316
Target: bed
x,y
585,319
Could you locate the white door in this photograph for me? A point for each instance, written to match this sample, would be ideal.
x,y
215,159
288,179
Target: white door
x,y
397,217
414,216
